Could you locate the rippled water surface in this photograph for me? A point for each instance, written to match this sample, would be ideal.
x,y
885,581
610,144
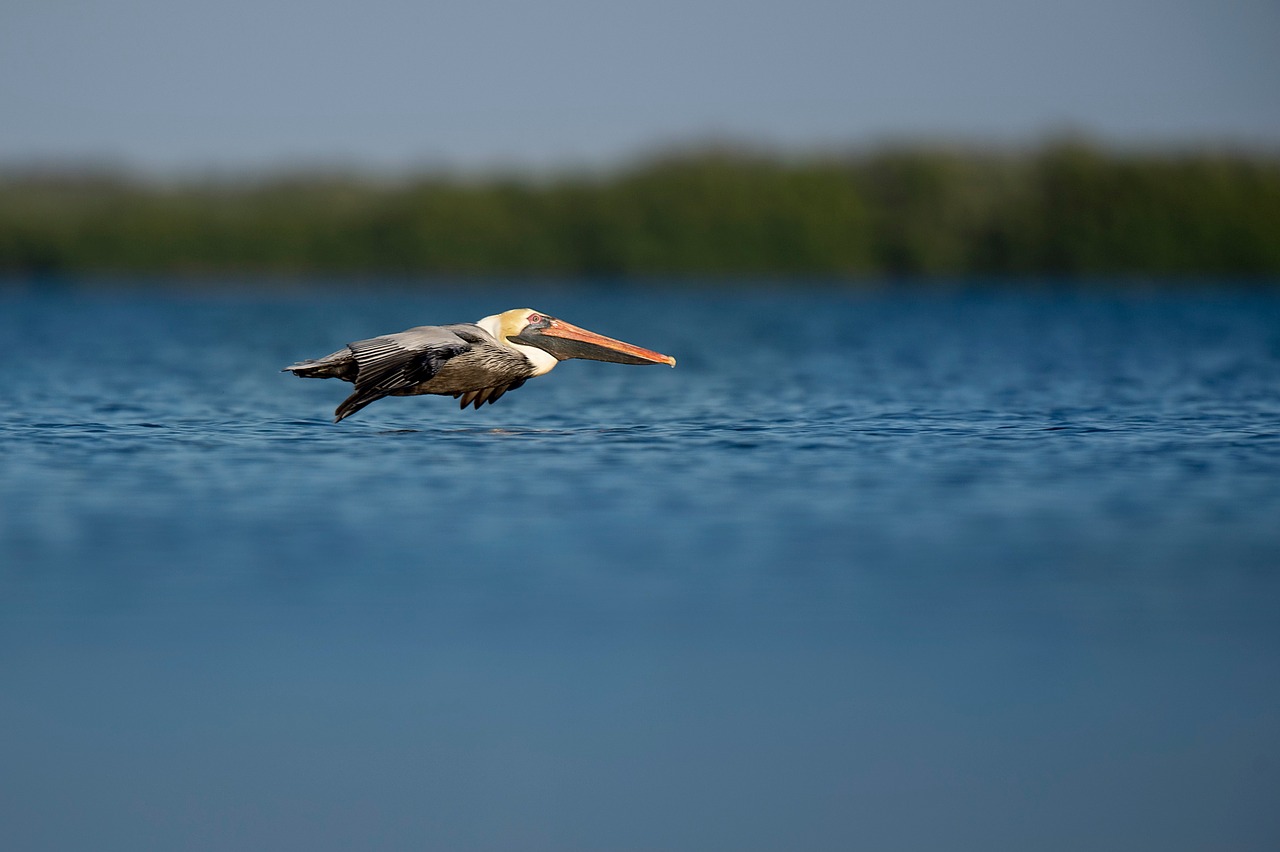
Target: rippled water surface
x,y
902,570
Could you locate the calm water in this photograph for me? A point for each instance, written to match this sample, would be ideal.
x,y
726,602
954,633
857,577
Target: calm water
x,y
900,571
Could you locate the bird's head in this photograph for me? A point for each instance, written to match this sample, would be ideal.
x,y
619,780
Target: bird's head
x,y
525,327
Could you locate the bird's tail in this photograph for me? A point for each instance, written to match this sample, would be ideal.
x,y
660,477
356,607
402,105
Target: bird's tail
x,y
338,365
309,370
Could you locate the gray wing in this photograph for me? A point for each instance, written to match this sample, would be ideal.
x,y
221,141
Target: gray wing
x,y
401,361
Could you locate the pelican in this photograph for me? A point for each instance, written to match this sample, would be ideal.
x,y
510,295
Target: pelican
x,y
478,362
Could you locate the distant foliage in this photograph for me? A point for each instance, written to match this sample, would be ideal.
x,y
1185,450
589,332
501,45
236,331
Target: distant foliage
x,y
1067,209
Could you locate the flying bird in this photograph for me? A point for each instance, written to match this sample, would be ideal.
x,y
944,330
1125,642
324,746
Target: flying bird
x,y
477,362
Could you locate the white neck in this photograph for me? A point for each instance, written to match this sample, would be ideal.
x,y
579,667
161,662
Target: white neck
x,y
543,361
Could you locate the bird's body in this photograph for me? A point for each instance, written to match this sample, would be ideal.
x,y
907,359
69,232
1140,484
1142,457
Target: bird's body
x,y
477,362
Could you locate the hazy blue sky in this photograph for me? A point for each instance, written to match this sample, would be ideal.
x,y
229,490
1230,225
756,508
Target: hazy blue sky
x,y
163,84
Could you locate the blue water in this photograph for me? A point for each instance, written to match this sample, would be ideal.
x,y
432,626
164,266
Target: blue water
x,y
972,569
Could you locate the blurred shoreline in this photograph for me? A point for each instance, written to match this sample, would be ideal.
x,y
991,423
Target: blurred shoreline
x,y
691,218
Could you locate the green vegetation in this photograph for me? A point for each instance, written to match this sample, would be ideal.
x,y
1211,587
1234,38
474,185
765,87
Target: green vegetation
x,y
1066,209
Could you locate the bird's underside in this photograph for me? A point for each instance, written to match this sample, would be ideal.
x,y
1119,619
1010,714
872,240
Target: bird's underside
x,y
461,361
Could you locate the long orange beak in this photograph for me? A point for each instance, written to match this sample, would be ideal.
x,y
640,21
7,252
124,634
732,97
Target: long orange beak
x,y
573,342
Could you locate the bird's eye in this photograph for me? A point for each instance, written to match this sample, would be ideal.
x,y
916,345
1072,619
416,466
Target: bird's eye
x,y
535,318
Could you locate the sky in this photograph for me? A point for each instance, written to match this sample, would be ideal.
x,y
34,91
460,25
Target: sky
x,y
166,85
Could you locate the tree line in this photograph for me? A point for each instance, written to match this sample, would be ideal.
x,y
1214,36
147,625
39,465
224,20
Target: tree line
x,y
1063,209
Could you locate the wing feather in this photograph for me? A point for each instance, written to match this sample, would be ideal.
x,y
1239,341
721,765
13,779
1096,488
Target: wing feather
x,y
491,395
398,362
